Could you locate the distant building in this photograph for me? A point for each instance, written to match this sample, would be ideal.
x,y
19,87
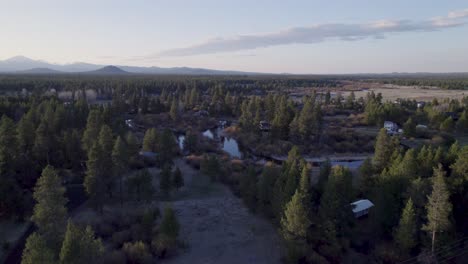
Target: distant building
x,y
421,104
361,207
391,127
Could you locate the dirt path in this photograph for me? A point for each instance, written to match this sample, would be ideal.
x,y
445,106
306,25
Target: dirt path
x,y
218,228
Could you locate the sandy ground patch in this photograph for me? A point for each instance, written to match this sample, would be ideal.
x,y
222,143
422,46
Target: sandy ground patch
x,y
218,228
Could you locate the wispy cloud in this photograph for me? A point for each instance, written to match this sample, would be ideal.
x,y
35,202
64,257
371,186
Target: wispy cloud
x,y
315,34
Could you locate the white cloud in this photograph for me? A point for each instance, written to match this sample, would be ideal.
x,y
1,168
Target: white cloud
x,y
315,34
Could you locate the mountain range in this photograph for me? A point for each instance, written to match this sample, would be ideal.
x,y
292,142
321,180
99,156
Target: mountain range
x,y
24,65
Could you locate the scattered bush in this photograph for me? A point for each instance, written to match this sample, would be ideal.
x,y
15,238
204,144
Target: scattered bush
x,y
137,252
114,257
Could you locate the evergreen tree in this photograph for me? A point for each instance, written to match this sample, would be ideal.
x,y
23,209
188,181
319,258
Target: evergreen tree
x,y
177,179
409,128
169,224
439,207
383,151
120,163
50,212
447,125
94,181
367,179
36,251
93,127
150,140
132,146
265,189
336,198
405,234
141,184
248,186
80,246
174,111
295,221
106,143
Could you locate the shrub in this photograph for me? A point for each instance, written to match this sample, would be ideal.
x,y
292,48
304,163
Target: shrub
x,y
163,245
137,252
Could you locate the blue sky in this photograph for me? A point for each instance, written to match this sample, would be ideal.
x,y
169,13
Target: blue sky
x,y
265,36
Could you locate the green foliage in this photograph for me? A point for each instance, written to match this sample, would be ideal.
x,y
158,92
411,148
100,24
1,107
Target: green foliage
x,y
438,207
137,252
405,233
141,186
93,127
265,189
150,140
50,212
409,128
334,210
211,167
169,224
36,251
80,246
120,163
248,190
384,148
448,125
94,182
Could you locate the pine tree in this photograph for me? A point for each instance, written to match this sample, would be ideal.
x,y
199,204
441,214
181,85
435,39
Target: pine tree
x,y
150,140
409,128
265,189
405,234
336,197
43,143
8,185
120,163
383,151
177,179
295,221
174,111
36,251
106,143
93,127
367,179
132,146
169,224
447,125
438,207
94,182
80,246
248,186
50,212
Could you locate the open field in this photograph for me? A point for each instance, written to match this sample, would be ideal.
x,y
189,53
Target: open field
x,y
392,92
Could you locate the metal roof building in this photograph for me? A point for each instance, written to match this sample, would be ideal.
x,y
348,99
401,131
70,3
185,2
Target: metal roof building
x,y
361,207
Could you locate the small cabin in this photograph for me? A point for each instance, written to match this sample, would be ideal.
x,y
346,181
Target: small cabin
x,y
361,207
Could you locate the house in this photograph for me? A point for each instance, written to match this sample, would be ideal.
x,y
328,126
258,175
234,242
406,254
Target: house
x,y
391,127
421,104
361,207
264,125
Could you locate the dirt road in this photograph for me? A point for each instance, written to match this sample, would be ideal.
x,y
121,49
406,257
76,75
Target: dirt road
x,y
218,228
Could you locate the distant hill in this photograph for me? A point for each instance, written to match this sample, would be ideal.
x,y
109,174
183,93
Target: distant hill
x,y
39,71
24,65
107,70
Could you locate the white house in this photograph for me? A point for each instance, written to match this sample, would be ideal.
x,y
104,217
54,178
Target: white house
x,y
391,127
361,207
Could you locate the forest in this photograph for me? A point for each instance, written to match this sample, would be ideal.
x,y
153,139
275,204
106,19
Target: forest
x,y
109,147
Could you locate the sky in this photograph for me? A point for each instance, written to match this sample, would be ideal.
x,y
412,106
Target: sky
x,y
294,36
